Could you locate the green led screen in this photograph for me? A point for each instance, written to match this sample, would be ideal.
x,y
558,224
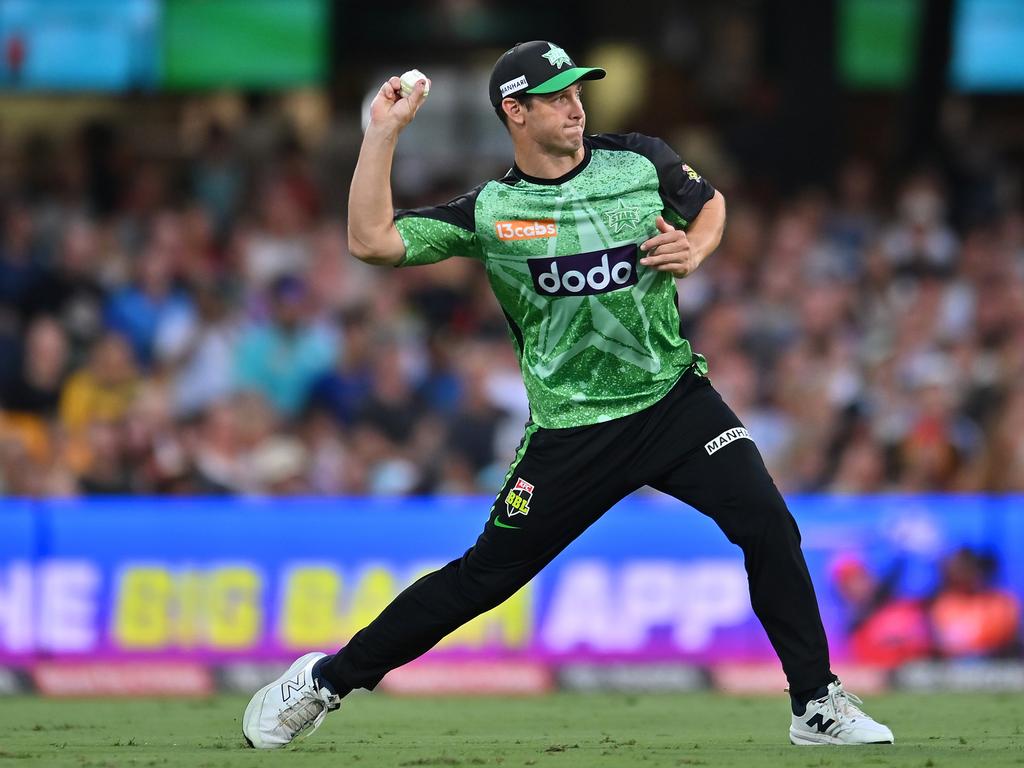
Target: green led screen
x,y
878,42
254,43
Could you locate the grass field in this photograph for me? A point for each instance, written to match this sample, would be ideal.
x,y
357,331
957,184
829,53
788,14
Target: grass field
x,y
560,731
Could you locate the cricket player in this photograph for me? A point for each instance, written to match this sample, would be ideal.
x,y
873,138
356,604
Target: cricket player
x,y
583,240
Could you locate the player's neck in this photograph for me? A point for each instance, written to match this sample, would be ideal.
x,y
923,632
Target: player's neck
x,y
535,162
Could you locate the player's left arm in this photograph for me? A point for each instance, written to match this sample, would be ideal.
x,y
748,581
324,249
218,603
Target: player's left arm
x,y
673,250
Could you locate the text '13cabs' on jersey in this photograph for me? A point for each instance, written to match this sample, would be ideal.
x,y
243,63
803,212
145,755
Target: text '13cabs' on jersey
x,y
597,333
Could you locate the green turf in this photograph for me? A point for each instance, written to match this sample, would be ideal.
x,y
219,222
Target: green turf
x,y
563,731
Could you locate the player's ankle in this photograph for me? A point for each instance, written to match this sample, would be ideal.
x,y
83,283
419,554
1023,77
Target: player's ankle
x,y
323,681
798,699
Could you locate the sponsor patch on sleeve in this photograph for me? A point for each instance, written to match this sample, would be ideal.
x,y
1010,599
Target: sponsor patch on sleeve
x,y
694,176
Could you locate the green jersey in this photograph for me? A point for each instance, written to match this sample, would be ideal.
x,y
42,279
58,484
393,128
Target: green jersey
x,y
597,334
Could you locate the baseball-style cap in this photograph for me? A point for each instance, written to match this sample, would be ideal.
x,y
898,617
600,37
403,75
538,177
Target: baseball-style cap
x,y
536,67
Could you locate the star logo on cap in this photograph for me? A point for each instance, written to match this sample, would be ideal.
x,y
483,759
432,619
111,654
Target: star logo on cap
x,y
557,57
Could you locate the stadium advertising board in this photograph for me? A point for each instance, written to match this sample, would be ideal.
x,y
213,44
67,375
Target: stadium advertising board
x,y
899,579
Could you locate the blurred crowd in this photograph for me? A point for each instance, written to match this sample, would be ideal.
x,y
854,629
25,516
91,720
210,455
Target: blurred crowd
x,y
867,344
966,614
196,326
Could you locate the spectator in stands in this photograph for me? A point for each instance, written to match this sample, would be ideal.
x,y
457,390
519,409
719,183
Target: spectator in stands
x,y
21,473
282,358
217,451
920,242
392,409
36,387
20,274
279,245
217,178
152,446
103,390
441,386
71,291
938,440
141,309
330,460
883,627
106,471
1001,469
853,223
861,466
969,615
474,425
344,390
279,466
21,267
198,350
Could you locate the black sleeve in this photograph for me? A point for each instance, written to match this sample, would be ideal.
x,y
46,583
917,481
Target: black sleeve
x,y
682,189
438,232
460,212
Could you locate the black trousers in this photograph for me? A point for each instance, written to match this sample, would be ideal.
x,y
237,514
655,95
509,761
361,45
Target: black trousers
x,y
689,445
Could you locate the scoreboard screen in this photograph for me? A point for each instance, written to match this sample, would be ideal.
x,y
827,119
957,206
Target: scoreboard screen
x,y
267,43
988,45
130,45
92,45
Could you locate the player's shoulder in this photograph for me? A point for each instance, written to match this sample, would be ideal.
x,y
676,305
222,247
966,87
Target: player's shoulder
x,y
459,211
649,146
468,199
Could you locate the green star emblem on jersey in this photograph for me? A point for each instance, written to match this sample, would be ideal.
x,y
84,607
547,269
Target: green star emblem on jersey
x,y
557,57
622,219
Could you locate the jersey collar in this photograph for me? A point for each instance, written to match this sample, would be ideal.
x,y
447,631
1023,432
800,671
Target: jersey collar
x,y
518,173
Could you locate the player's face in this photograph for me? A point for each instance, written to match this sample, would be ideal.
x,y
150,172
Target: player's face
x,y
556,120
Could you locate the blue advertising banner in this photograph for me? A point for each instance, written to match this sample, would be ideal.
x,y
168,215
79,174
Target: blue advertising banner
x,y
899,578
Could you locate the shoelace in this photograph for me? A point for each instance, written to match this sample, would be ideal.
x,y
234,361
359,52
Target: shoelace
x,y
302,714
846,704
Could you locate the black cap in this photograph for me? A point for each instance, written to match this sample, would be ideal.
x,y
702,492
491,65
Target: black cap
x,y
536,67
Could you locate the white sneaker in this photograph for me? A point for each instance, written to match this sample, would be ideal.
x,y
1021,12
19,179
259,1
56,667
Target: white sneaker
x,y
291,707
837,719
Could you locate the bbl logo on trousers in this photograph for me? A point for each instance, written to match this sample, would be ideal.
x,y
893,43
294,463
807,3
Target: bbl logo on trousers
x,y
518,500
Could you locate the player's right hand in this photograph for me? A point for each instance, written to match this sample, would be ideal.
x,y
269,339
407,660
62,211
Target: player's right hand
x,y
392,111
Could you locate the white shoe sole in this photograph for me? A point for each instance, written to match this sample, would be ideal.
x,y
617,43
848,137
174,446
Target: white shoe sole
x,y
809,739
254,710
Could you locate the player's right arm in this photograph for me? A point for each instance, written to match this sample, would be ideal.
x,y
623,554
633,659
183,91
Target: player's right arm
x,y
372,235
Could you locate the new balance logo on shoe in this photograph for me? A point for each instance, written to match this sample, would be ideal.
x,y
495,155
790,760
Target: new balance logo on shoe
x,y
288,687
820,722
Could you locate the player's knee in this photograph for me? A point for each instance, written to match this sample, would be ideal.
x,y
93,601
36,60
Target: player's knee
x,y
760,512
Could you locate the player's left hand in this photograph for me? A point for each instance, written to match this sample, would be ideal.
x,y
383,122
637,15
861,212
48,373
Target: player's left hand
x,y
670,251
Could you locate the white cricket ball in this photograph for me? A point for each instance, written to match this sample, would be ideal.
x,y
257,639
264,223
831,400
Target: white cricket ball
x,y
409,80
